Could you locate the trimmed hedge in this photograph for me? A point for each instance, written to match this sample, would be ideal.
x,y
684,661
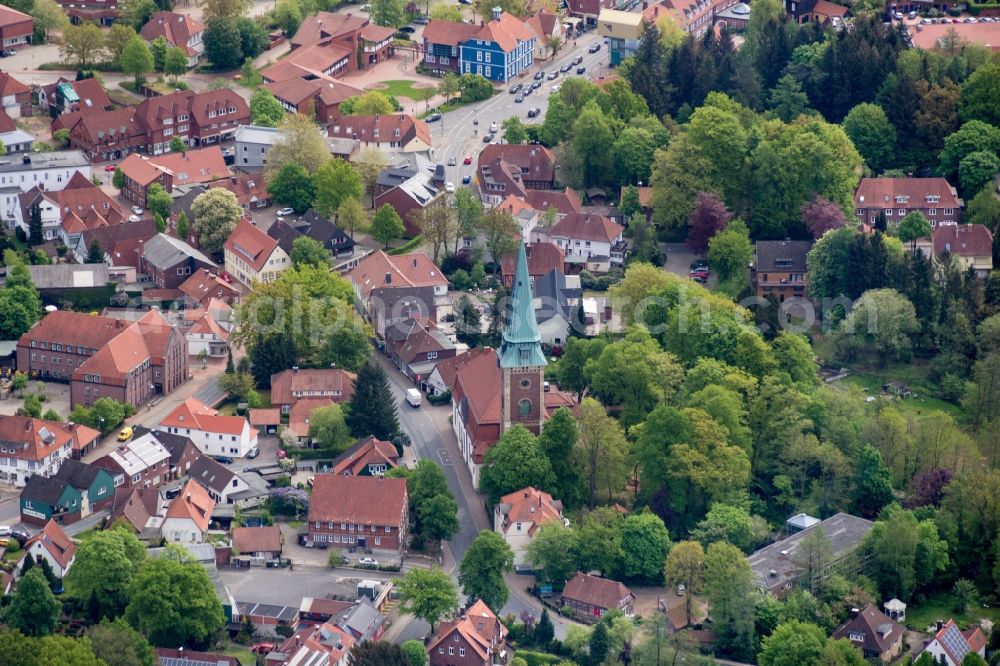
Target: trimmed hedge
x,y
409,246
537,658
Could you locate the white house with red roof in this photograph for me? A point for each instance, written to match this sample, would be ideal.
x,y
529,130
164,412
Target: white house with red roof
x,y
30,446
895,198
951,644
188,515
325,644
589,241
180,30
214,434
253,256
210,332
519,515
67,213
53,545
971,245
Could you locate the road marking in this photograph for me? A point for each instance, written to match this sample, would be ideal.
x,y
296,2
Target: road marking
x,y
444,456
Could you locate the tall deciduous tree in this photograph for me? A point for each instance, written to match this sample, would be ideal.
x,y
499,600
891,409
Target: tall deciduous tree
x,y
872,134
514,462
792,644
601,450
645,544
33,610
82,45
558,440
387,225
437,225
104,568
821,215
265,109
216,213
708,218
383,653
730,588
500,231
335,182
428,594
483,567
301,142
351,216
118,644
684,567
292,187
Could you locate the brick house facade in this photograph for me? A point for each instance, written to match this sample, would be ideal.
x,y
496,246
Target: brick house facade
x,y
358,511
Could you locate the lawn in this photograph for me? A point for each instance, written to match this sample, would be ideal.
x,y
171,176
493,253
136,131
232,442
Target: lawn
x,y
941,606
916,407
399,88
241,652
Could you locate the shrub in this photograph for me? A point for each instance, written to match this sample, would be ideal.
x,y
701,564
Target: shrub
x,y
284,630
442,399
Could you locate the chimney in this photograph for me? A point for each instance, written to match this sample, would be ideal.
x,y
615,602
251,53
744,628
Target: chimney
x,y
295,369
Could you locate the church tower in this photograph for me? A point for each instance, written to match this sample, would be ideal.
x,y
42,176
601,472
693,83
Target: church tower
x,y
522,363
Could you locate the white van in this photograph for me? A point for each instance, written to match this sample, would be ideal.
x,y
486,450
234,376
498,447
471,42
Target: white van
x,y
413,397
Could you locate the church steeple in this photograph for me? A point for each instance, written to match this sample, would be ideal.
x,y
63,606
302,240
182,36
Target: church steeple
x,y
522,363
521,346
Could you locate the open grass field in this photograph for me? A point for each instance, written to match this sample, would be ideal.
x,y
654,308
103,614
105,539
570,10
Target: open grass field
x,y
409,89
941,606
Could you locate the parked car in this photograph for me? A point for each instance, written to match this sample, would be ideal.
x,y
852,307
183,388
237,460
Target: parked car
x,y
5,530
578,60
516,88
898,16
21,535
449,187
556,88
701,275
553,75
408,29
467,160
581,70
262,648
519,99
368,562
286,211
594,48
488,137
533,112
125,434
253,453
433,118
421,20
912,15
137,210
466,179
535,86
224,460
699,264
110,167
452,161
565,68
539,75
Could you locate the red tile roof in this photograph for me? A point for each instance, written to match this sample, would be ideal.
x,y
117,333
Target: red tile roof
x,y
140,169
203,286
73,329
176,28
599,592
530,505
301,411
507,31
480,628
266,539
381,128
91,94
369,450
448,368
878,632
154,110
582,226
543,257
194,414
477,393
882,193
406,270
931,36
11,17
265,416
963,240
566,201
194,503
360,500
323,26
289,386
827,8
191,167
208,326
376,33
9,86
448,33
543,24
116,360
35,439
250,244
54,540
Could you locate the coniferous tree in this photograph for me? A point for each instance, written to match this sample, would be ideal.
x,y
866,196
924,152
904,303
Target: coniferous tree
x,y
544,631
95,255
35,225
270,355
230,367
373,407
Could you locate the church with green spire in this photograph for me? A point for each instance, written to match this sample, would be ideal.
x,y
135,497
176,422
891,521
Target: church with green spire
x,y
522,363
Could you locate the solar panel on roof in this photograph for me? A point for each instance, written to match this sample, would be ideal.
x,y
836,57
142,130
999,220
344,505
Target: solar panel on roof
x,y
955,643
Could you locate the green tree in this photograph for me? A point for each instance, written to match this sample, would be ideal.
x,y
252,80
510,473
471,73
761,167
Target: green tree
x,y
551,551
383,653
976,170
416,654
104,568
728,523
173,602
558,439
386,225
428,594
544,630
118,644
136,12
216,213
117,38
730,252
500,232
388,12
33,610
351,215
438,517
872,134
468,214
328,429
82,45
591,137
300,142
95,255
792,644
223,46
292,187
158,200
514,131
158,47
973,136
35,225
600,450
730,588
371,103
984,209
684,567
787,101
177,145
118,179
599,643
645,546
629,204
841,653
265,109
183,228
912,228
307,250
175,63
373,408
516,461
883,321
270,355
966,595
483,567
335,182
981,95
136,59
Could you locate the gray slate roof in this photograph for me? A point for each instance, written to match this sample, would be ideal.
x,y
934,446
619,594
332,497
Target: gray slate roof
x,y
66,276
165,252
771,252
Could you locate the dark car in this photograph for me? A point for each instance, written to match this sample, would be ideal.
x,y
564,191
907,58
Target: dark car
x,y
595,48
225,460
421,20
581,70
533,112
565,68
539,75
488,137
466,179
433,118
536,85
519,99
516,88
408,29
578,60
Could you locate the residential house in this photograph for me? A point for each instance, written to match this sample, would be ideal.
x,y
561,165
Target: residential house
x,y
971,246
412,196
101,134
779,269
395,288
518,516
358,511
15,97
313,225
951,645
52,545
253,143
290,386
253,256
221,482
557,307
250,190
623,31
95,485
16,28
197,118
776,568
37,447
65,96
142,462
564,201
591,242
415,346
259,542
212,433
593,597
476,638
873,633
51,171
121,244
205,286
15,140
391,132
170,170
74,338
508,169
368,44
318,61
936,36
183,452
897,197
300,414
502,49
101,12
140,508
543,258
445,373
368,457
208,336
65,214
169,261
44,499
188,515
326,644
697,16
824,11
546,26
588,10
321,96
443,43
180,31
185,657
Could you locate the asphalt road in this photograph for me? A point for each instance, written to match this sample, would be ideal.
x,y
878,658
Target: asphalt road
x,y
456,135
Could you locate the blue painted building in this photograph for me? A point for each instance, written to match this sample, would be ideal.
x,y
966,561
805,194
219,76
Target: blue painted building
x,y
502,50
